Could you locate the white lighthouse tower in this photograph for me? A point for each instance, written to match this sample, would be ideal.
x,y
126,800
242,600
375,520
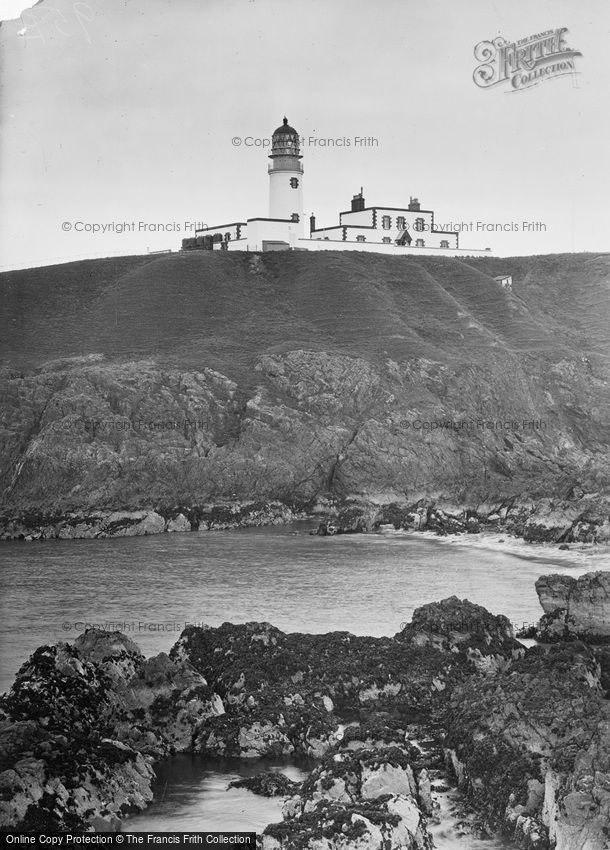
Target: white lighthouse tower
x,y
286,177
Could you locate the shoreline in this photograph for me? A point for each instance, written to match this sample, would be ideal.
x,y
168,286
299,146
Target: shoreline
x,y
576,529
577,556
517,546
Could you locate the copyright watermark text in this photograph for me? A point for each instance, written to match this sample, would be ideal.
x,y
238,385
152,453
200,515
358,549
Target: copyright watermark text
x,y
133,226
310,142
129,626
472,424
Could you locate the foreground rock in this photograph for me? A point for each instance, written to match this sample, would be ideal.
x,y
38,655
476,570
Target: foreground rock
x,y
526,732
96,715
358,797
268,784
531,746
575,607
82,726
286,694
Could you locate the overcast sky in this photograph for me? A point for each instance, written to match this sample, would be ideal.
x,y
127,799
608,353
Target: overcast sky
x,y
125,111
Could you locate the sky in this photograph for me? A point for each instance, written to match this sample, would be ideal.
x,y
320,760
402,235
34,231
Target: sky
x,y
138,119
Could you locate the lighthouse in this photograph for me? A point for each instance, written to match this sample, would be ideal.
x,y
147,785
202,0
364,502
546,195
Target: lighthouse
x,y
286,177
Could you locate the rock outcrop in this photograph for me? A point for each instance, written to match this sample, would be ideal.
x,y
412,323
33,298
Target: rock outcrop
x,y
355,799
575,607
530,745
583,520
82,726
268,784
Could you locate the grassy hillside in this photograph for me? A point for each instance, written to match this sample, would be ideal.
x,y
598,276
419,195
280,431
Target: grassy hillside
x,y
302,370
224,309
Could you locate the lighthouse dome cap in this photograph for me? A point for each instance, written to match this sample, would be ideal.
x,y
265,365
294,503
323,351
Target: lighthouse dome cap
x,y
285,129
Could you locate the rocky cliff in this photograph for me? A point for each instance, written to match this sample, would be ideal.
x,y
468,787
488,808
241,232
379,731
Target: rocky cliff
x,y
201,379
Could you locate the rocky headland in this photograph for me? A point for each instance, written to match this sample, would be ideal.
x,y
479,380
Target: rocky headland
x,y
143,395
385,723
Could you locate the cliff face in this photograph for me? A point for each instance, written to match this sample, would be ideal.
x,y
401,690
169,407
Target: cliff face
x,y
190,378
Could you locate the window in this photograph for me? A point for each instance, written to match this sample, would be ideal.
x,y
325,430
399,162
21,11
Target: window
x,y
419,243
444,243
400,222
386,222
227,237
294,183
419,224
387,240
360,238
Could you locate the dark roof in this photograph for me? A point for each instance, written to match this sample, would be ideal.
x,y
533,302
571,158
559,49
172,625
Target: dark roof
x,y
285,129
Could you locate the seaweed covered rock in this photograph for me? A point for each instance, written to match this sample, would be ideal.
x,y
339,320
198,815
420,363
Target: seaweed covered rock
x,y
286,693
82,726
347,775
363,798
366,825
463,628
349,519
62,766
531,748
270,783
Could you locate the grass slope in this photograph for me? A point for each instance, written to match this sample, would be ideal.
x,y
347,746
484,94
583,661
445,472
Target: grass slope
x,y
224,309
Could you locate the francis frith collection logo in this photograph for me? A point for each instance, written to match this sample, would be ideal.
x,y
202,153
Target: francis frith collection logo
x,y
524,63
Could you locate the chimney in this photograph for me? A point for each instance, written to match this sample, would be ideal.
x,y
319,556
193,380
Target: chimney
x,y
414,204
358,202
312,223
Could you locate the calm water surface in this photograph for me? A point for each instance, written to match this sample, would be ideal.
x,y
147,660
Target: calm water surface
x,y
150,587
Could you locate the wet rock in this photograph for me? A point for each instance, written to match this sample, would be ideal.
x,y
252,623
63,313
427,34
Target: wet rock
x,y
133,524
179,523
291,690
268,784
550,522
369,825
586,520
126,523
461,627
356,519
542,724
82,726
286,693
363,798
443,522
